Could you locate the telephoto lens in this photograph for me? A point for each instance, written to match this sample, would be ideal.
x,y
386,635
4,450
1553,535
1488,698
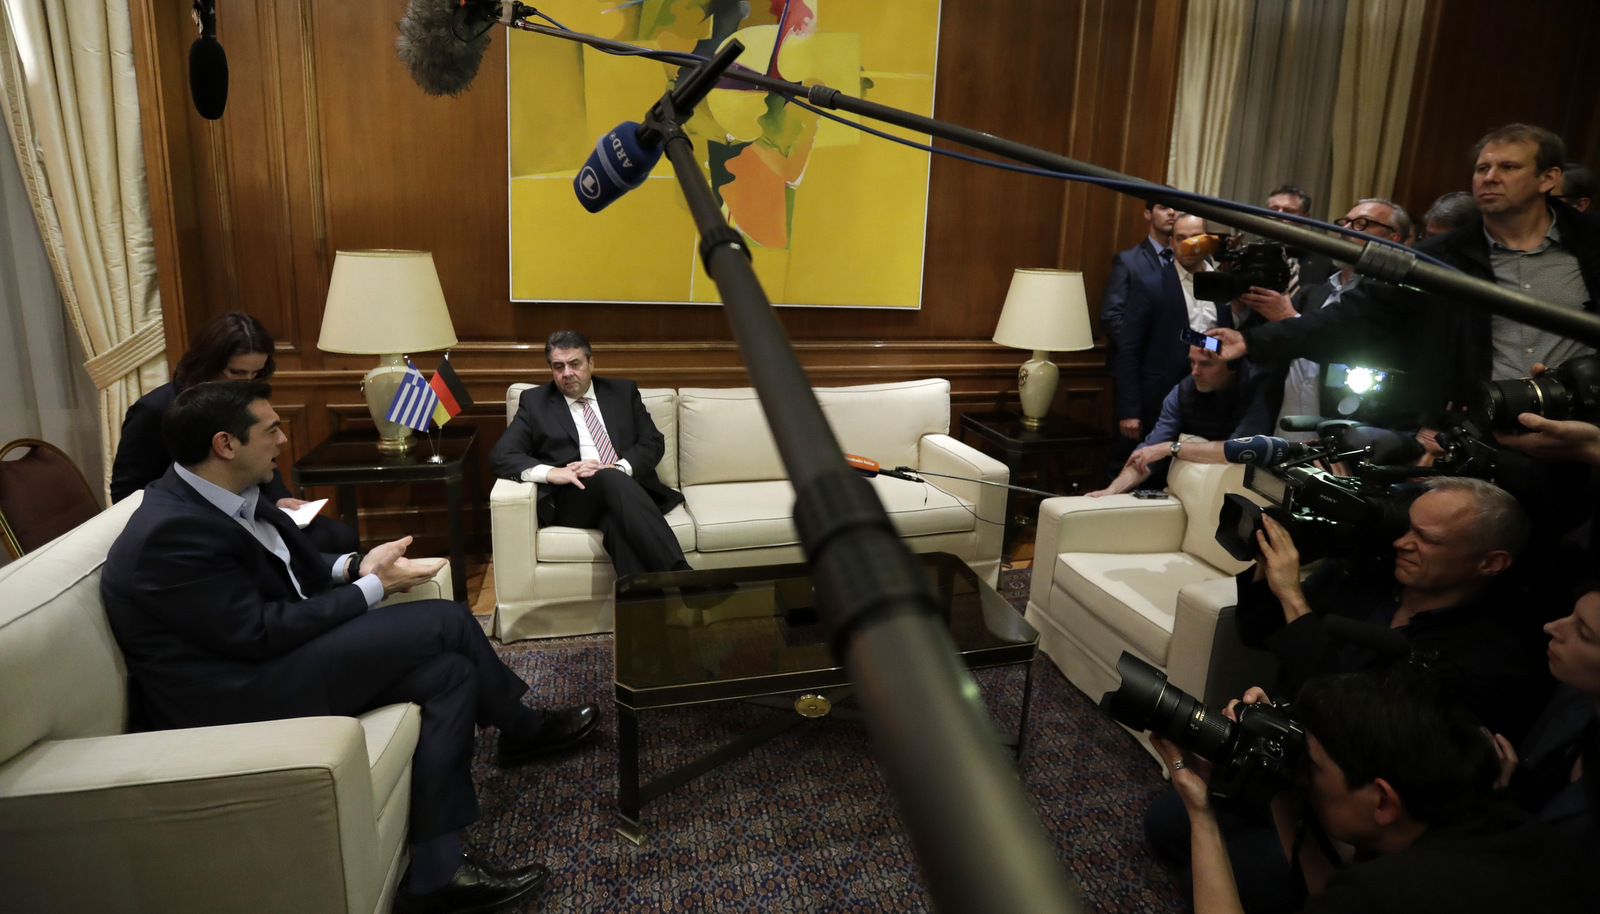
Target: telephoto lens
x,y
1252,760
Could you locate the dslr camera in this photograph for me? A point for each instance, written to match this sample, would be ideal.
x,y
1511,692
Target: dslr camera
x,y
1568,391
1253,758
1242,265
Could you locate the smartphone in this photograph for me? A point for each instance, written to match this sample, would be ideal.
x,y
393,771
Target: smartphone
x,y
1193,338
1148,493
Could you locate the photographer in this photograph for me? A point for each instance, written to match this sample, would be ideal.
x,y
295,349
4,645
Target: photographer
x,y
1404,779
1464,534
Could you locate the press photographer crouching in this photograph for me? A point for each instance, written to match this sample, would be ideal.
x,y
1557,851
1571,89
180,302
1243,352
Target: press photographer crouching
x,y
1439,594
1390,808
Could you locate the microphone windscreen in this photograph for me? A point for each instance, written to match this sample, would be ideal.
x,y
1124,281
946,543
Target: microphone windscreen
x,y
1300,423
1203,244
618,164
1389,447
1261,450
439,61
208,77
866,466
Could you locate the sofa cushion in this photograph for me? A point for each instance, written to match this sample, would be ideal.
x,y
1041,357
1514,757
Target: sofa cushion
x,y
742,515
1201,488
1135,596
662,403
723,436
574,544
886,422
751,515
61,673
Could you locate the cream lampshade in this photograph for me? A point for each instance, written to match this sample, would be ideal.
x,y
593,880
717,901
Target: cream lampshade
x,y
1045,311
385,303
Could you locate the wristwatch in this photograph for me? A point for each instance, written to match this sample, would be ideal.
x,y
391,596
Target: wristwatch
x,y
1175,446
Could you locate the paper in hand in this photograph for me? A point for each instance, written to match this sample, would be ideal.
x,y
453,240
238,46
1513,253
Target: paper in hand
x,y
303,514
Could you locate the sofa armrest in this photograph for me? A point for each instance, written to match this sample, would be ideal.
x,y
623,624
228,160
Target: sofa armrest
x,y
439,587
1119,524
944,454
514,536
269,816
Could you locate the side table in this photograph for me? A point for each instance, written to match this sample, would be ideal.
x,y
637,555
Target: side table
x,y
349,457
1006,431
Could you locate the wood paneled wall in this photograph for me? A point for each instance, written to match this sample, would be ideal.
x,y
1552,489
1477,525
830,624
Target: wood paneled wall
x,y
1482,65
327,144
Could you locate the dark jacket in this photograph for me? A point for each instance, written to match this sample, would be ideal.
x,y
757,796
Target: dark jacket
x,y
1496,672
1135,261
142,456
1151,356
1444,344
198,606
542,432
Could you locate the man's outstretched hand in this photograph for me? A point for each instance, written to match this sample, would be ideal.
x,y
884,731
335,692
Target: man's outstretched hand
x,y
397,573
1233,346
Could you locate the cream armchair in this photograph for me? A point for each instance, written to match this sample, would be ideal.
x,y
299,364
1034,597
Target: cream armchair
x,y
305,815
1147,576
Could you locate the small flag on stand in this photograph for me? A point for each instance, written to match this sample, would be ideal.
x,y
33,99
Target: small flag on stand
x,y
414,402
451,392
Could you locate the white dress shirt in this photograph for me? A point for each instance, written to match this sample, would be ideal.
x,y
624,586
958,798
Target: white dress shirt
x,y
586,446
1202,314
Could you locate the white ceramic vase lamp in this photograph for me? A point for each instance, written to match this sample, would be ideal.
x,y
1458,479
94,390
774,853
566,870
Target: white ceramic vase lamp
x,y
385,303
1045,311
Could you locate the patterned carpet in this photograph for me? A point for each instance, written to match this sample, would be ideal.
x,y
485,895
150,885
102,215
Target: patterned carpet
x,y
803,823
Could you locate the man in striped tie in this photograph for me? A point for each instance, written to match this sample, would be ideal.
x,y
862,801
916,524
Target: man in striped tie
x,y
592,447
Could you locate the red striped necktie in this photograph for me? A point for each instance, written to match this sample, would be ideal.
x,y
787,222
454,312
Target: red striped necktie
x,y
597,433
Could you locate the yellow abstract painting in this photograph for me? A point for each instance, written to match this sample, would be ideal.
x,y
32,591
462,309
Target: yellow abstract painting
x,y
832,217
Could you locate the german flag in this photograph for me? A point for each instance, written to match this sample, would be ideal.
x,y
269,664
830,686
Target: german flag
x,y
451,392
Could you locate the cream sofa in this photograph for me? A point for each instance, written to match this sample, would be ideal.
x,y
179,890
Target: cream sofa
x,y
556,581
304,815
1147,576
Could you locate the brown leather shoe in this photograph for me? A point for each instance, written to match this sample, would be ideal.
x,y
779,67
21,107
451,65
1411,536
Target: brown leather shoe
x,y
475,888
562,730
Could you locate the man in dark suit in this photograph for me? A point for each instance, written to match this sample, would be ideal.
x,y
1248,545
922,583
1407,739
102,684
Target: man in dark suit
x,y
1146,258
1306,268
227,613
1152,356
592,447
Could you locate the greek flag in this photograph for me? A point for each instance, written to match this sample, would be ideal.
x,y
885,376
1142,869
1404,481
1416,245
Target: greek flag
x,y
414,402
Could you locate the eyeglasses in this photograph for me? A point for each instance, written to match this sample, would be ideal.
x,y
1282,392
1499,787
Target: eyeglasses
x,y
1361,224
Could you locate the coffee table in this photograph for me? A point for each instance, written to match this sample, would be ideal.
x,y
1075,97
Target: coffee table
x,y
752,635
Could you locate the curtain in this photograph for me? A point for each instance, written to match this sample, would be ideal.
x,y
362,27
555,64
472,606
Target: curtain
x,y
72,108
1381,39
44,391
1214,34
1282,125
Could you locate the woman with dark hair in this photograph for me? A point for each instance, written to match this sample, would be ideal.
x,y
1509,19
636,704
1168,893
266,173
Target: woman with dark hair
x,y
230,347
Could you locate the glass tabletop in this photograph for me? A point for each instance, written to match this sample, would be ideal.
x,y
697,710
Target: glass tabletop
x,y
685,637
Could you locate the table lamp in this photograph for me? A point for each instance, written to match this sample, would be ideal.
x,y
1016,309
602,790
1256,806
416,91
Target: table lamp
x,y
1045,311
385,303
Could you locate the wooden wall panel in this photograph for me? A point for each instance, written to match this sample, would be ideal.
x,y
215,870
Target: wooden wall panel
x,y
1479,69
327,144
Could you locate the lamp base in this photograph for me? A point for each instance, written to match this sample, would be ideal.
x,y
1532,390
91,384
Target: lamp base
x,y
379,386
1036,384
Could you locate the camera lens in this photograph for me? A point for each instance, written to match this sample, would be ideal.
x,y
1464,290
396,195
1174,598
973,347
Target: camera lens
x,y
1503,401
1146,701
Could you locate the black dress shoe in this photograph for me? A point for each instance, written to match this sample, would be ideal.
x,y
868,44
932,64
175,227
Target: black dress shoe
x,y
562,729
474,888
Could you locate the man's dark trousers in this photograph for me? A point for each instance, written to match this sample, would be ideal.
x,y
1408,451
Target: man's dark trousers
x,y
627,517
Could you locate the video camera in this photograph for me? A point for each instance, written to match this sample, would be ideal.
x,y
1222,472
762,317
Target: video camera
x,y
1241,265
1359,514
1253,758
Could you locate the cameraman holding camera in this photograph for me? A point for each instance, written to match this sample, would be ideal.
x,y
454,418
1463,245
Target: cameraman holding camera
x,y
1390,769
1439,594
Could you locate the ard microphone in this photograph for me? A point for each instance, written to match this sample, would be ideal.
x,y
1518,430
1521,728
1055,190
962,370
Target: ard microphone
x,y
208,65
1262,450
619,163
442,42
1201,244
